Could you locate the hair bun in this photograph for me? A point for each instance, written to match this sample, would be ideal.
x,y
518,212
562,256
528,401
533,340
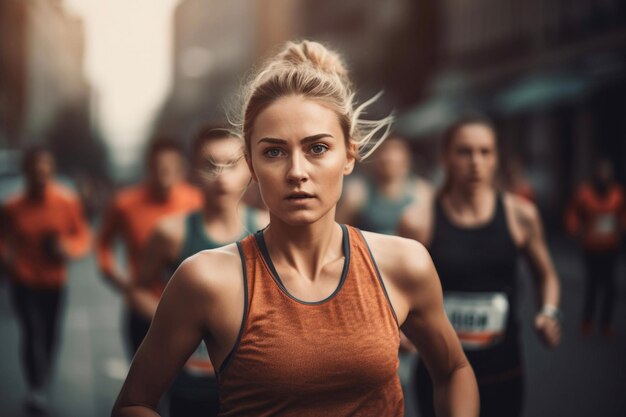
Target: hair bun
x,y
314,54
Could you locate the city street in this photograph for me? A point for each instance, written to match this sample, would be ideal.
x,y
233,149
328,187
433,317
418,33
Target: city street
x,y
584,377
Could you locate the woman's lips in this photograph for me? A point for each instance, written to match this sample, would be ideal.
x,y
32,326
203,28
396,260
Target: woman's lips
x,y
299,196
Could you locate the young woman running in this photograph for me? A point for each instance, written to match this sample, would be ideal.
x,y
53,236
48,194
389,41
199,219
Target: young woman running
x,y
222,220
298,319
474,234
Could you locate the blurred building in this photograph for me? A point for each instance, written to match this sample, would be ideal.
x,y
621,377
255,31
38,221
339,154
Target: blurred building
x,y
216,44
213,42
551,73
42,52
44,95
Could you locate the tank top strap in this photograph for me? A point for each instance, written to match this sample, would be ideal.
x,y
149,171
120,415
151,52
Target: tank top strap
x,y
441,218
363,259
499,217
247,254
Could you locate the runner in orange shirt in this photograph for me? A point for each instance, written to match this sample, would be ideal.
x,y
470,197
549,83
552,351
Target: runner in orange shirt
x,y
596,216
134,214
43,227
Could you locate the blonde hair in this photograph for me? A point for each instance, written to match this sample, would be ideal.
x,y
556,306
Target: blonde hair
x,y
311,70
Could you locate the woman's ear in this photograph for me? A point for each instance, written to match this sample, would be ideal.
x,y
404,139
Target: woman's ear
x,y
250,167
351,159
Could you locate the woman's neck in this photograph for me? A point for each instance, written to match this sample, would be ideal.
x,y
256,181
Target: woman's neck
x,y
306,248
392,187
37,192
223,221
158,193
470,204
224,212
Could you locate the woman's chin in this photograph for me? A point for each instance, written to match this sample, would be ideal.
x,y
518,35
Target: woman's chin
x,y
300,218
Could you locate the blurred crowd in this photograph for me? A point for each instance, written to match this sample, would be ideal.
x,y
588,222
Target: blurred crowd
x,y
185,204
523,100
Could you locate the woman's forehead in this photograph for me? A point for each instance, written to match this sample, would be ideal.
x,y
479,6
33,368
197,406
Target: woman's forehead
x,y
228,149
474,135
294,118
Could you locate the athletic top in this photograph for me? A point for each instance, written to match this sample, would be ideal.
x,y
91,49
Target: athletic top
x,y
32,229
600,220
335,357
197,240
477,267
381,214
133,216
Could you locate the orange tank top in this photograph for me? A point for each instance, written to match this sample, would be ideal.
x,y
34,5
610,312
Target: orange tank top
x,y
335,357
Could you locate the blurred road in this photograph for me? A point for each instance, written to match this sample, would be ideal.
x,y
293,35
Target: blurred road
x,y
582,378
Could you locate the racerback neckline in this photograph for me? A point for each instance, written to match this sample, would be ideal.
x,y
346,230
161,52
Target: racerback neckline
x,y
260,239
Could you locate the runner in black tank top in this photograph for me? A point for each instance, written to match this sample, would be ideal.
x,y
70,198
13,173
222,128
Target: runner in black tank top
x,y
477,267
474,234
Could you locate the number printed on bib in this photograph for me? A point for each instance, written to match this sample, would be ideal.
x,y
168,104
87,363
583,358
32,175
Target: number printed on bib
x,y
479,318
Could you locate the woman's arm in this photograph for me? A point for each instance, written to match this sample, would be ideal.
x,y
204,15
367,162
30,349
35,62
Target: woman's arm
x,y
427,326
110,229
547,320
177,329
161,250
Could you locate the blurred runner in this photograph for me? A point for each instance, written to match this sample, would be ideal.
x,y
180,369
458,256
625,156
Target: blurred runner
x,y
376,203
475,234
43,227
596,217
220,170
133,216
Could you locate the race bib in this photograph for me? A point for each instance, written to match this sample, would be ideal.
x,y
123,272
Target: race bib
x,y
605,224
479,318
199,362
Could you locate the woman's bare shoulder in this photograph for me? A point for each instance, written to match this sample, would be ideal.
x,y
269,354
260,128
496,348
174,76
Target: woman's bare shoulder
x,y
211,271
401,260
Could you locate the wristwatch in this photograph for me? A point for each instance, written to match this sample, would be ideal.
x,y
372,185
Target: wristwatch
x,y
552,312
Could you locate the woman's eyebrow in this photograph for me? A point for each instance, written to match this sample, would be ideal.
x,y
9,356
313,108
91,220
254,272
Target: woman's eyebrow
x,y
272,140
315,137
307,139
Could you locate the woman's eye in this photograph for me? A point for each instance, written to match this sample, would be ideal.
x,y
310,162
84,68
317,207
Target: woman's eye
x,y
273,152
318,149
